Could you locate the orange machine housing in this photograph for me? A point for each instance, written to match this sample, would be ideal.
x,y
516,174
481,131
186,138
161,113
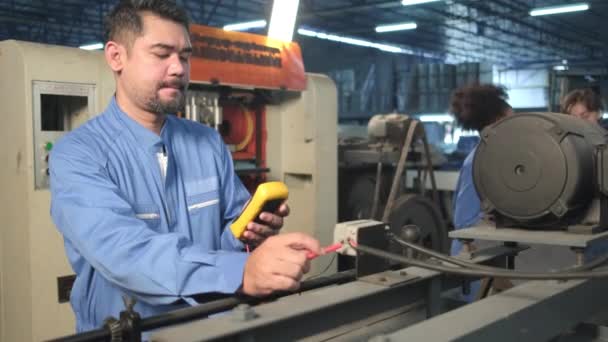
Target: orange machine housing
x,y
245,61
244,131
240,131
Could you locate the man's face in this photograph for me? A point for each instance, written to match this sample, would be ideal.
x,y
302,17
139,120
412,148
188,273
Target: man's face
x,y
156,72
581,111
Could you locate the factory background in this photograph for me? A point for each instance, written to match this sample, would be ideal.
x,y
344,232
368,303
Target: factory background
x,y
325,98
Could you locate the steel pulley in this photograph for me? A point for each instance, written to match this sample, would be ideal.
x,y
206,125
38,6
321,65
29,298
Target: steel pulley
x,y
418,210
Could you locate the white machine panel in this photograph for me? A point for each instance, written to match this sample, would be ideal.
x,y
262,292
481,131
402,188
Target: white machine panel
x,y
58,108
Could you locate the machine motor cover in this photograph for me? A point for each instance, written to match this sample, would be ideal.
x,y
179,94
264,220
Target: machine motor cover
x,y
388,127
538,170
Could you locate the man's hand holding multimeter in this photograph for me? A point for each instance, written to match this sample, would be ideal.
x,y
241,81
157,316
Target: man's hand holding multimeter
x,y
279,263
263,215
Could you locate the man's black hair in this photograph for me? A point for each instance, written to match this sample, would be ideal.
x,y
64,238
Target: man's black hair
x,y
124,22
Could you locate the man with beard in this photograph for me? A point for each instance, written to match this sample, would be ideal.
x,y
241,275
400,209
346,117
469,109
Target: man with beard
x,y
474,107
143,199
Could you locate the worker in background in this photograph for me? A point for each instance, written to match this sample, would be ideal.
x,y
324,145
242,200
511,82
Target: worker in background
x,y
583,103
587,105
474,107
143,199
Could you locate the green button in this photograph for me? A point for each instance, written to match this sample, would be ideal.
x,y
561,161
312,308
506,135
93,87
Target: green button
x,y
48,146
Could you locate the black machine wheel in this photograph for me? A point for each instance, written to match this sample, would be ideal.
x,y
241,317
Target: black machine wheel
x,y
413,209
359,196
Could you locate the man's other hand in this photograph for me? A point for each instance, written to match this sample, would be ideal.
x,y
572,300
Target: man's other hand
x,y
256,233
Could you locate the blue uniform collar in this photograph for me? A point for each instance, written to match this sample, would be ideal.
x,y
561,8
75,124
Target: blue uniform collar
x,y
148,139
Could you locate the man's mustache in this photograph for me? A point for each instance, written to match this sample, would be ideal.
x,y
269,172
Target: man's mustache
x,y
173,84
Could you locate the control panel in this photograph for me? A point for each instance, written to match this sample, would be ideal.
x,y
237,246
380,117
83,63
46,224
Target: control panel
x,y
59,107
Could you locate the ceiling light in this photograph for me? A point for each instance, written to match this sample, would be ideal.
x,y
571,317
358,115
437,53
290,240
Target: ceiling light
x,y
396,27
559,9
355,41
283,19
246,25
365,43
93,46
415,2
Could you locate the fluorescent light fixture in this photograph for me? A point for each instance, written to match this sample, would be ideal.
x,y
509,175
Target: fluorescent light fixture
x,y
435,118
560,67
605,116
94,46
559,9
416,2
355,41
396,27
246,25
283,19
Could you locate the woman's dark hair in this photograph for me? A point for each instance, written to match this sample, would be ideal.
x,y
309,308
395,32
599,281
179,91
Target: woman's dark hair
x,y
477,106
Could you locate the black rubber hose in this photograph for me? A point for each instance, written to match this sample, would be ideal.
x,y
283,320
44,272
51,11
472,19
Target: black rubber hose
x,y
482,273
459,262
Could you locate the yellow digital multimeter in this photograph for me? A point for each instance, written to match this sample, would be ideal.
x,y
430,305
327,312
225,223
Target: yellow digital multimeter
x,y
267,198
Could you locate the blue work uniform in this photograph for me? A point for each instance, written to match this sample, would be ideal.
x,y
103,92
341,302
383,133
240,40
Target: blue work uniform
x,y
466,203
596,249
467,209
130,231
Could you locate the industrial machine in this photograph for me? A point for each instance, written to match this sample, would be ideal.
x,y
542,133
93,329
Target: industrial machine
x,y
390,296
373,173
382,299
46,91
376,297
548,176
279,122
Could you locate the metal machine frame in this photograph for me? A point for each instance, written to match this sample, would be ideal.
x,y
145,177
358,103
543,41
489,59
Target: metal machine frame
x,y
360,310
531,312
329,309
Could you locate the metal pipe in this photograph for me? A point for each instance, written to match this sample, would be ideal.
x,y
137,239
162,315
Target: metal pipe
x,y
204,310
100,335
211,308
193,109
217,115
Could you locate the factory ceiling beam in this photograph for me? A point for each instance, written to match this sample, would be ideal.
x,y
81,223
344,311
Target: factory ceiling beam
x,y
391,4
341,28
424,35
441,23
9,17
196,10
468,40
555,21
395,4
557,46
350,9
212,12
507,34
524,30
